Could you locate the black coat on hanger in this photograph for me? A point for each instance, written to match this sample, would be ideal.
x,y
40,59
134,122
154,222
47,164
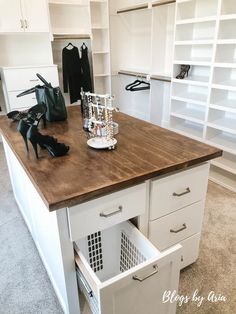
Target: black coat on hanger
x,y
72,74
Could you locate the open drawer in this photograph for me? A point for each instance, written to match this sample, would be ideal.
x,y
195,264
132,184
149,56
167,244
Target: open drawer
x,y
121,272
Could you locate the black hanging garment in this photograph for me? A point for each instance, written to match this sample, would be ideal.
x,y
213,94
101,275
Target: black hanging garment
x,y
72,75
86,75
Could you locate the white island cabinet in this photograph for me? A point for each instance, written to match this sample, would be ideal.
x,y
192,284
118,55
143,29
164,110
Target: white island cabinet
x,y
78,209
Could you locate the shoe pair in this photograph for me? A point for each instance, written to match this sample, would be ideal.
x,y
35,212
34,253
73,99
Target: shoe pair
x,y
31,133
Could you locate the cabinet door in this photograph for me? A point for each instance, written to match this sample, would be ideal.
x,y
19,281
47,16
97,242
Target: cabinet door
x,y
147,294
35,13
11,16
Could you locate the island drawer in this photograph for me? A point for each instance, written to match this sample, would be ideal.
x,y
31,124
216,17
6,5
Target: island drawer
x,y
176,191
190,250
118,264
174,228
106,211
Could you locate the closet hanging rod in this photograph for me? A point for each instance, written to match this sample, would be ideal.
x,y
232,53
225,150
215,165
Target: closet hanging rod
x,y
157,4
61,37
134,8
144,75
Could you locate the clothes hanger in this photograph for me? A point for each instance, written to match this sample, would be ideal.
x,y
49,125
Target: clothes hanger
x,y
83,46
69,44
134,86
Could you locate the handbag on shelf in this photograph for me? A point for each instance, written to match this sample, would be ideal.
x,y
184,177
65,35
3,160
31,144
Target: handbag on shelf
x,y
52,98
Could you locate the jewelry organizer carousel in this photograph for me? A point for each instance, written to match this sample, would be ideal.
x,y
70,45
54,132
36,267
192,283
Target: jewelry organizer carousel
x,y
98,120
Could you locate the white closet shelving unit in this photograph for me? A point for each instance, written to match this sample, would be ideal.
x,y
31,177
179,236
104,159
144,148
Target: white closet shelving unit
x,y
141,41
203,105
99,11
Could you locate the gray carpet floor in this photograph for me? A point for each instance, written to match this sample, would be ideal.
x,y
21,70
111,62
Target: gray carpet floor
x,y
25,287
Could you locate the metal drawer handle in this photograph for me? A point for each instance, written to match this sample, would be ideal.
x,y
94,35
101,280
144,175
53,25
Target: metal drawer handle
x,y
21,24
148,276
26,24
35,80
183,193
119,210
178,230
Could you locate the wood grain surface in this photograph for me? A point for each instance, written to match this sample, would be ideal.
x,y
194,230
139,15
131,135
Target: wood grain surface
x,y
143,151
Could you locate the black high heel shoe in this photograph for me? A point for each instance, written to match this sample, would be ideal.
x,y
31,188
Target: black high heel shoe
x,y
33,115
23,128
54,148
184,69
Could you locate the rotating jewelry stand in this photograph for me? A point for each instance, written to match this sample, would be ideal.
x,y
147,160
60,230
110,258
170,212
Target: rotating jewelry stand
x,y
98,120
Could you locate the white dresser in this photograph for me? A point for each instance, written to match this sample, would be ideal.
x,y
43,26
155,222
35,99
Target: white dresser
x,y
18,79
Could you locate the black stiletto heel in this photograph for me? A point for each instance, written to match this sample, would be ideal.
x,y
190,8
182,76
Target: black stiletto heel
x,y
184,69
50,143
23,128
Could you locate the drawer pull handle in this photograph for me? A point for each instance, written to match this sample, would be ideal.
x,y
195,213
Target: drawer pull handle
x,y
35,80
148,276
26,24
21,24
183,193
119,210
178,230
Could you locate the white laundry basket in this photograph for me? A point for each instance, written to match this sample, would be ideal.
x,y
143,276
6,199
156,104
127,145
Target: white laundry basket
x,y
116,257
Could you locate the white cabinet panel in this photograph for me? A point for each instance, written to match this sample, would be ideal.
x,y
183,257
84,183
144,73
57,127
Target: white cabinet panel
x,y
11,16
35,15
24,16
190,250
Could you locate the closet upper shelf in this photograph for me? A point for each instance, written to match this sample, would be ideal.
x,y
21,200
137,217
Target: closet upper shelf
x,y
70,2
144,5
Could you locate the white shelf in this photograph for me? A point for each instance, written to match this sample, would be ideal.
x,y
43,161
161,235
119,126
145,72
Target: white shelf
x,y
225,105
224,124
189,100
196,20
100,52
197,61
189,114
226,164
226,41
99,27
82,3
187,128
224,86
194,42
225,65
194,80
223,178
228,17
224,141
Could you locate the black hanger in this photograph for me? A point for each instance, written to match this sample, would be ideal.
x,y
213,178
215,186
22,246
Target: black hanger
x,y
83,46
136,86
69,44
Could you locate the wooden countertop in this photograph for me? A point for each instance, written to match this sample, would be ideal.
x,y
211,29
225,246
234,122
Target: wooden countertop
x,y
144,151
